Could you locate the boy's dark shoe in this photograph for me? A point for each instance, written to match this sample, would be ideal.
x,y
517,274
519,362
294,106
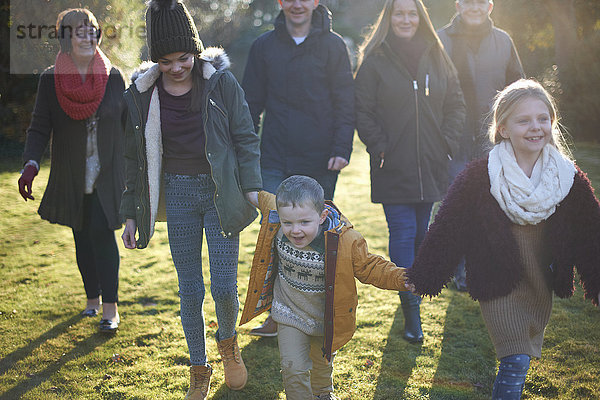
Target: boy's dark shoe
x,y
267,329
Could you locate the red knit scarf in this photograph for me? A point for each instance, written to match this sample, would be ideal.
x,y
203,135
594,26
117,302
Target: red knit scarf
x,y
78,99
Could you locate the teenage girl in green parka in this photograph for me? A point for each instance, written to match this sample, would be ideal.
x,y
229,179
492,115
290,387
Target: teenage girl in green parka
x,y
190,141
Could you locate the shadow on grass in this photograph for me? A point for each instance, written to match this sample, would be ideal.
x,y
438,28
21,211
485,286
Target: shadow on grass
x,y
81,349
467,364
399,359
261,357
11,359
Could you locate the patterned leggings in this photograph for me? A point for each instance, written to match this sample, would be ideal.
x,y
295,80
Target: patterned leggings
x,y
511,377
190,210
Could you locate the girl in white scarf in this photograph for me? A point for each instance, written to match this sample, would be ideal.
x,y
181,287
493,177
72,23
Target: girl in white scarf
x,y
533,181
530,172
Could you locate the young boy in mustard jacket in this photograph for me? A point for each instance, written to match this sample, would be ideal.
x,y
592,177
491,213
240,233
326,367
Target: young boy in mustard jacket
x,y
307,256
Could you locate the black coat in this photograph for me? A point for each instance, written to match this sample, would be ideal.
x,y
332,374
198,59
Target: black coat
x,y
307,92
63,199
416,124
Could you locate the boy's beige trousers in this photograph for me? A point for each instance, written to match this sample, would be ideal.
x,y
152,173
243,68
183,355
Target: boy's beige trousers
x,y
306,373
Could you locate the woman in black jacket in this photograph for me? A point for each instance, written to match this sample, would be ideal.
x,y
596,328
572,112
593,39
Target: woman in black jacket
x,y
409,112
78,109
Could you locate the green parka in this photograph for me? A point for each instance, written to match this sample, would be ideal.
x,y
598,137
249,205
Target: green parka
x,y
415,122
232,149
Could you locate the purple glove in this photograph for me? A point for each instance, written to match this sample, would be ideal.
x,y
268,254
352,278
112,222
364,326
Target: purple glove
x,y
26,180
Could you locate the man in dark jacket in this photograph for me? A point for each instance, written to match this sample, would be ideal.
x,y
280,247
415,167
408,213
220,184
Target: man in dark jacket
x,y
487,61
299,74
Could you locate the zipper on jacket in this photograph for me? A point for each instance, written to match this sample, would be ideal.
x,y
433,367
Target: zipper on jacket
x,y
209,161
212,103
419,169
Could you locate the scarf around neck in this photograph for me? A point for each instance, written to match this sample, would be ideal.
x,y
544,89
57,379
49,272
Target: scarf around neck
x,y
79,99
409,51
529,201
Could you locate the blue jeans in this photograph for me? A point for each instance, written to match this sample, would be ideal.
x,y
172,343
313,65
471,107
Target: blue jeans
x,y
272,178
511,377
407,225
190,211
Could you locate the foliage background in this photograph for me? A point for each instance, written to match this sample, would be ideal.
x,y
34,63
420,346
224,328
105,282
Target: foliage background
x,y
558,40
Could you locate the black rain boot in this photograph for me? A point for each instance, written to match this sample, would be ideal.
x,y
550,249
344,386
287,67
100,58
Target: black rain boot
x,y
412,317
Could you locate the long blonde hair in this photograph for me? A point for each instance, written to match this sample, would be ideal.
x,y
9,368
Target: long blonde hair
x,y
379,31
507,100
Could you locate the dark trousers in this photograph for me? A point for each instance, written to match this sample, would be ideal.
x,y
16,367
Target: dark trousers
x,y
97,252
272,178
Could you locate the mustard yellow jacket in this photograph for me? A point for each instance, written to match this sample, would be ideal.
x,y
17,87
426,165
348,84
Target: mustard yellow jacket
x,y
346,257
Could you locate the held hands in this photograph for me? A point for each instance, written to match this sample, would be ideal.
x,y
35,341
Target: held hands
x,y
252,197
411,288
26,181
336,163
128,235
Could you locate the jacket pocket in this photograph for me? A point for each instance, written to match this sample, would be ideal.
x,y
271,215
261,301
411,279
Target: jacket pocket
x,y
217,107
344,318
347,310
218,121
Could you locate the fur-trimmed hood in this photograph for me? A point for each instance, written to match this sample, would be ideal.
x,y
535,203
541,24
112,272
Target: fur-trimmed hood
x,y
215,59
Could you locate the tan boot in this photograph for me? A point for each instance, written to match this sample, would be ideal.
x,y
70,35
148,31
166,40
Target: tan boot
x,y
236,374
199,382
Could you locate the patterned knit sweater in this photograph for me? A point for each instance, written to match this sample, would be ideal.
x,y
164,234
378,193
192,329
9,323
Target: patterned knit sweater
x,y
299,290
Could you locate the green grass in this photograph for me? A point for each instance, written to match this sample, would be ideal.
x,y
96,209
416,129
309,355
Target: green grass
x,y
48,352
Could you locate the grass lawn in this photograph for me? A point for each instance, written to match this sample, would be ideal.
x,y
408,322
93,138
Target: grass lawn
x,y
47,351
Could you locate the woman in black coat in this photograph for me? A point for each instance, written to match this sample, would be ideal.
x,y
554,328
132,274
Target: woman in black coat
x,y
78,109
410,113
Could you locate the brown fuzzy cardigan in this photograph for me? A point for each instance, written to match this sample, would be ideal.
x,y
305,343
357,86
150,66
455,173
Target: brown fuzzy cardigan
x,y
470,223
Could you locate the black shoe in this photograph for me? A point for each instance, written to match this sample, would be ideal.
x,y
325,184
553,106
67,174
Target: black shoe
x,y
109,325
412,317
89,312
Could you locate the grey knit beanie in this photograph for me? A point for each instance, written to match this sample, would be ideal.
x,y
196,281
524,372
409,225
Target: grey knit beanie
x,y
170,28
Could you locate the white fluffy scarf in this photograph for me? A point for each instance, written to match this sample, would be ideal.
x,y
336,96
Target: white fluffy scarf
x,y
528,201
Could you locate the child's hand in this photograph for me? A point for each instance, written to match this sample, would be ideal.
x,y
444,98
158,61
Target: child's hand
x,y
411,288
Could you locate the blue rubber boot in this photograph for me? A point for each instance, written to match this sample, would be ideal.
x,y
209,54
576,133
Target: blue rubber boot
x,y
412,317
